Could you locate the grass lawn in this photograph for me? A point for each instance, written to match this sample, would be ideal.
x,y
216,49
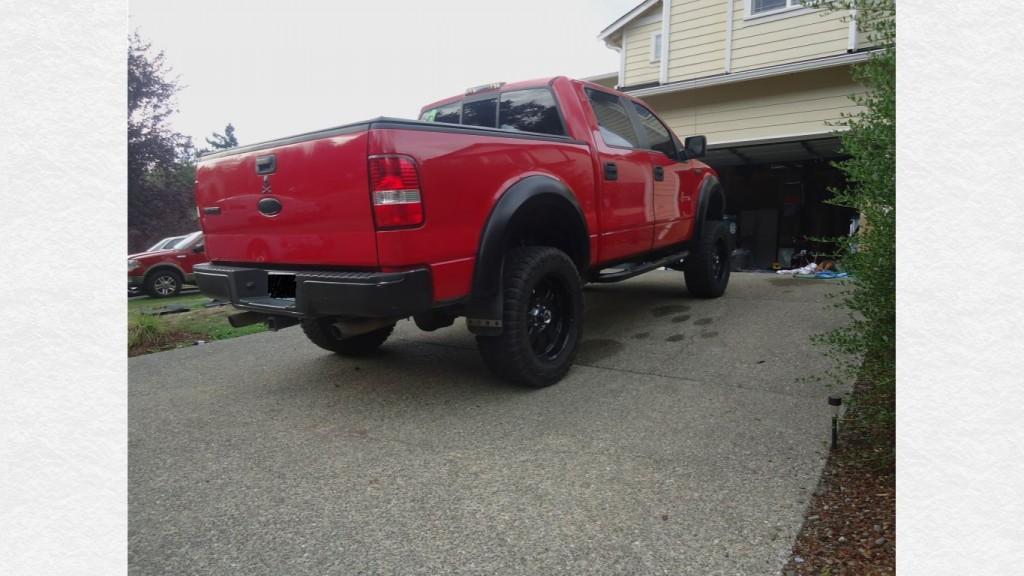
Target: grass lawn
x,y
147,334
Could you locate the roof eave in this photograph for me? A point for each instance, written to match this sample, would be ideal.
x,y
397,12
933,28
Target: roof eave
x,y
625,19
782,69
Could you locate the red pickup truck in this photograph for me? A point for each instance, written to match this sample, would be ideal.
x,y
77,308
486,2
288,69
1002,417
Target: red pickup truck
x,y
496,205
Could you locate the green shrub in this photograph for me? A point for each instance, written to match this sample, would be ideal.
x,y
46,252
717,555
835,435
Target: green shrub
x,y
866,347
144,330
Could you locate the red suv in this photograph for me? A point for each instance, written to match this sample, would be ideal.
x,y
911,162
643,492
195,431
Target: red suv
x,y
161,270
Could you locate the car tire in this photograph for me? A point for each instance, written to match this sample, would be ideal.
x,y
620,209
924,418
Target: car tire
x,y
542,319
319,332
163,283
707,268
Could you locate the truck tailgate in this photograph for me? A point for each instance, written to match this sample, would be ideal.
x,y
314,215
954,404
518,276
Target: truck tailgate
x,y
303,201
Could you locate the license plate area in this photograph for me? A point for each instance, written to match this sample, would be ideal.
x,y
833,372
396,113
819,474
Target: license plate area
x,y
281,285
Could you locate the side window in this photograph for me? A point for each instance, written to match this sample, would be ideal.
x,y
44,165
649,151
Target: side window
x,y
449,114
530,111
658,136
481,113
616,129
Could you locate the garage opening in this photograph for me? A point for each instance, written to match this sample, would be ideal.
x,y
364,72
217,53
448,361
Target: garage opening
x,y
776,201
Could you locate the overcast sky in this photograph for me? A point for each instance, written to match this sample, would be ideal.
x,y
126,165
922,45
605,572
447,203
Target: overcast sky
x,y
279,68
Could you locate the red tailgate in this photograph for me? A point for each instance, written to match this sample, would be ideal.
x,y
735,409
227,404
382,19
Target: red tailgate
x,y
311,205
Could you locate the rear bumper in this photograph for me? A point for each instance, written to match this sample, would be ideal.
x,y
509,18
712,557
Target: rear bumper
x,y
318,292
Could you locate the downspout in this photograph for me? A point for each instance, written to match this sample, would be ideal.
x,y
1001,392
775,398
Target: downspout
x,y
666,16
728,37
852,47
622,61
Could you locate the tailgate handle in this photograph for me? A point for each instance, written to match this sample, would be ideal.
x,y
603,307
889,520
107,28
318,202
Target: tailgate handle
x,y
266,164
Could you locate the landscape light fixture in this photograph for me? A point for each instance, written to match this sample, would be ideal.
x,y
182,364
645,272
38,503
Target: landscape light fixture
x,y
835,402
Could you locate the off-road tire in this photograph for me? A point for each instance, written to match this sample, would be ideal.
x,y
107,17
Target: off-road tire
x,y
318,330
707,268
529,275
163,283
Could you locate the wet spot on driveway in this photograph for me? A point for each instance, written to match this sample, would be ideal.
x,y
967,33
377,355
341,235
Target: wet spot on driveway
x,y
597,349
671,309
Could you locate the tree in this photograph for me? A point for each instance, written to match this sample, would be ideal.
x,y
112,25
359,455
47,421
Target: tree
x,y
223,141
160,191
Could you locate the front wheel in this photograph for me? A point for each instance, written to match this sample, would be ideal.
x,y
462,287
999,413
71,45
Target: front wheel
x,y
542,320
163,283
707,269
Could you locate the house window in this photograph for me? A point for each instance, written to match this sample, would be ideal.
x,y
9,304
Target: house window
x,y
656,47
758,7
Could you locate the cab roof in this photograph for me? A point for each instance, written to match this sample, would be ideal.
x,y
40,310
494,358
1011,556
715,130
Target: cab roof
x,y
522,85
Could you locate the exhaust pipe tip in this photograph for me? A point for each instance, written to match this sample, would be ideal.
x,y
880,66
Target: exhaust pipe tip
x,y
336,332
354,327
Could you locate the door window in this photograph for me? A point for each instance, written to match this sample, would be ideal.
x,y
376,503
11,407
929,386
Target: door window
x,y
612,119
658,136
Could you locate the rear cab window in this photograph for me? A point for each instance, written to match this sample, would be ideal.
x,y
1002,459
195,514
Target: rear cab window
x,y
481,113
532,110
448,114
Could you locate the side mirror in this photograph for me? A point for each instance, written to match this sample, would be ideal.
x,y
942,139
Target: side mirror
x,y
199,249
696,146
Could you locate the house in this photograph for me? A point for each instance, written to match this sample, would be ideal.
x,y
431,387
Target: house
x,y
765,81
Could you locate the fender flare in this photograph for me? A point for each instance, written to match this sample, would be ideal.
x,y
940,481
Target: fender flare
x,y
484,310
710,188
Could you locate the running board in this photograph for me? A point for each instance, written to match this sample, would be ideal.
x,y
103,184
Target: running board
x,y
638,268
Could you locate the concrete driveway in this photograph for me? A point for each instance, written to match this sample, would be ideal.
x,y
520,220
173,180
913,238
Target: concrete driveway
x,y
681,443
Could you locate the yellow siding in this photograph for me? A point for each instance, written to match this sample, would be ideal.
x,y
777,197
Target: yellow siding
x,y
757,42
698,39
639,68
781,106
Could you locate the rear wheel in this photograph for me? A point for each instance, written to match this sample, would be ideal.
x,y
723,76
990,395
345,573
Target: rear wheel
x,y
542,320
707,268
319,332
163,283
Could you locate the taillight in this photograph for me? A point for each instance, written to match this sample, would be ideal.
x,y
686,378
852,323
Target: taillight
x,y
395,186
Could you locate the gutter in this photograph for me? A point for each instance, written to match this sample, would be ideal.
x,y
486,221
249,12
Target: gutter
x,y
781,69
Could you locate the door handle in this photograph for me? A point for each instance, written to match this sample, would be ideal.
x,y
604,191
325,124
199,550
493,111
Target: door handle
x,y
611,171
659,173
182,256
